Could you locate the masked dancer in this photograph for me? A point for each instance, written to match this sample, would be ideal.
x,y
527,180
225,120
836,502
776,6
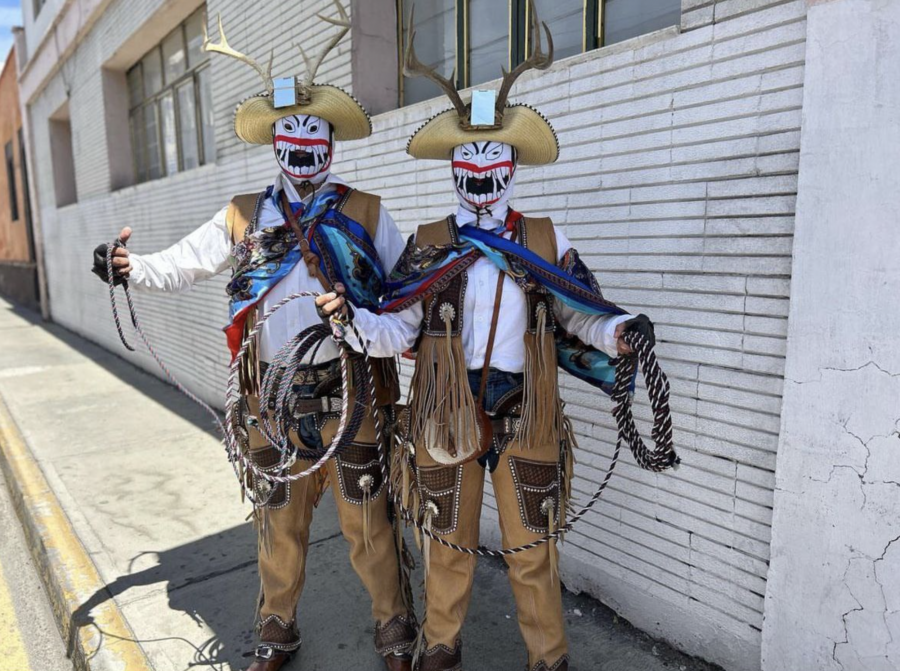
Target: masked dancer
x,y
491,300
308,231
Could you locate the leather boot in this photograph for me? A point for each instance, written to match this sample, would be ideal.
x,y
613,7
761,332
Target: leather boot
x,y
269,659
278,641
442,658
394,641
562,664
398,662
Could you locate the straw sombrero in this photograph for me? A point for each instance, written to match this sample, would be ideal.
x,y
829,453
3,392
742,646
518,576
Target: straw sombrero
x,y
254,116
520,126
523,127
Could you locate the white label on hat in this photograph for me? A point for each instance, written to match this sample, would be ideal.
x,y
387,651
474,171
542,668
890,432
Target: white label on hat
x,y
483,103
285,94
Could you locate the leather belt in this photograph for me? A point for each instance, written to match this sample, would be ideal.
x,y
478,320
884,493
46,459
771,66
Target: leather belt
x,y
313,375
505,426
309,374
312,406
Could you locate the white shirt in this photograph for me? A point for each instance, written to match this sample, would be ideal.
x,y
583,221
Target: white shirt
x,y
389,334
206,252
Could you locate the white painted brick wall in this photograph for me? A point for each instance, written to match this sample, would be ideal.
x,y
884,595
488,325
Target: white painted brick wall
x,y
676,180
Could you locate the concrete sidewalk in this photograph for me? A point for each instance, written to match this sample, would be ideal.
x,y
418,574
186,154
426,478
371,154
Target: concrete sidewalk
x,y
147,489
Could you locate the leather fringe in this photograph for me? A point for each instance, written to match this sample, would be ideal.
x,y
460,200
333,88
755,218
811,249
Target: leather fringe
x,y
442,405
538,426
248,375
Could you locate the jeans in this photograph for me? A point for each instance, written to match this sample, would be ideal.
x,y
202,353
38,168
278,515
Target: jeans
x,y
306,428
499,383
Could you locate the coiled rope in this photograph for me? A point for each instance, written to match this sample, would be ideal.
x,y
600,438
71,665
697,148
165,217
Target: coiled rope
x,y
275,395
274,389
663,455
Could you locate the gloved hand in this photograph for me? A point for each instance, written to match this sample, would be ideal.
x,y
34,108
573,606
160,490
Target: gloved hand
x,y
329,304
642,325
121,262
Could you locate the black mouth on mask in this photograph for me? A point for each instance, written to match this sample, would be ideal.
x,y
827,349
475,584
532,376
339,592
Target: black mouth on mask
x,y
300,158
482,187
478,186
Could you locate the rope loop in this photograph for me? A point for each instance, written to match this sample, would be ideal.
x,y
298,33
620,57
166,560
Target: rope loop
x,y
658,459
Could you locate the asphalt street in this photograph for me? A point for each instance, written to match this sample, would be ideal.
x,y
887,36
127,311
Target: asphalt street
x,y
29,639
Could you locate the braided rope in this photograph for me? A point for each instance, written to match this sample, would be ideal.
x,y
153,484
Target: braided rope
x,y
291,353
143,336
287,362
662,457
278,436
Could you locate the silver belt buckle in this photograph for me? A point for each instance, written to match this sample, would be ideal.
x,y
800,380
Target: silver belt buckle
x,y
331,404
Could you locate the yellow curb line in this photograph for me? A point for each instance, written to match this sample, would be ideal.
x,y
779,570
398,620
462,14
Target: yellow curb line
x,y
68,573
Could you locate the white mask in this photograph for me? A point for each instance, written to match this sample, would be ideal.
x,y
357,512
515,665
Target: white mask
x,y
304,148
483,174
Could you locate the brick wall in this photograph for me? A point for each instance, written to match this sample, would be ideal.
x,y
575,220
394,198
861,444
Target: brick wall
x,y
676,181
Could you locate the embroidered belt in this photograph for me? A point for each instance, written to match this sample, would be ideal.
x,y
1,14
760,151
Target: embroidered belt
x,y
313,406
505,426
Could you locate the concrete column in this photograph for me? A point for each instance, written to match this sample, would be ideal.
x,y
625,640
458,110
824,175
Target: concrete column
x,y
833,594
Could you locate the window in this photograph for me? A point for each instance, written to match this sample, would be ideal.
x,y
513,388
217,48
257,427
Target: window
x,y
170,103
11,182
38,5
64,182
477,37
26,196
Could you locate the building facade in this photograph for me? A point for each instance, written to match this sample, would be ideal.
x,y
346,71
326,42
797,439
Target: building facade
x,y
680,128
18,270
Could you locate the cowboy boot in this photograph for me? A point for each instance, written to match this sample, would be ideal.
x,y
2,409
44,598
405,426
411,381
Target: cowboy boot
x,y
562,664
269,659
441,658
278,642
394,642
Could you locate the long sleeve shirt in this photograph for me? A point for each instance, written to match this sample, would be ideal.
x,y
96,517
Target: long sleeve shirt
x,y
206,251
389,334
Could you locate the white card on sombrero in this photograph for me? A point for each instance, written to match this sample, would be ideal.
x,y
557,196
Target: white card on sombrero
x,y
483,103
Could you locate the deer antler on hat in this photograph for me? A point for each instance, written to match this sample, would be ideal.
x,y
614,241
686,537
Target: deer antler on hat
x,y
518,125
254,117
225,49
312,67
538,60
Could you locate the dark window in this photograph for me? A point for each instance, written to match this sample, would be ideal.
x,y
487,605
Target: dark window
x,y
170,103
26,196
476,37
38,5
11,181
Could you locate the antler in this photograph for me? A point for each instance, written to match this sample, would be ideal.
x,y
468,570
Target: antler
x,y
537,61
344,23
412,67
223,48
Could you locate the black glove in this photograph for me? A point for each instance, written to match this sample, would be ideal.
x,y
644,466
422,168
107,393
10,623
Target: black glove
x,y
99,268
320,310
642,325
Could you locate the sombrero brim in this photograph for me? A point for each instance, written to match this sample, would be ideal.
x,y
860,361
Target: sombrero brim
x,y
254,117
523,128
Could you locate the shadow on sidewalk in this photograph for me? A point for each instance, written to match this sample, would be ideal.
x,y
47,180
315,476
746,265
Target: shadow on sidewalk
x,y
224,603
123,365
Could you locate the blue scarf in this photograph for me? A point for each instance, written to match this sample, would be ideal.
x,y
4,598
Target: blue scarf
x,y
572,283
345,251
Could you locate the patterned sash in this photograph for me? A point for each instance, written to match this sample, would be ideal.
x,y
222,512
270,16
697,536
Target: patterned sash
x,y
421,271
264,257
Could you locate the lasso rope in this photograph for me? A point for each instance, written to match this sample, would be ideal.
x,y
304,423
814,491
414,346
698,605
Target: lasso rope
x,y
288,360
276,385
661,457
110,248
292,353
